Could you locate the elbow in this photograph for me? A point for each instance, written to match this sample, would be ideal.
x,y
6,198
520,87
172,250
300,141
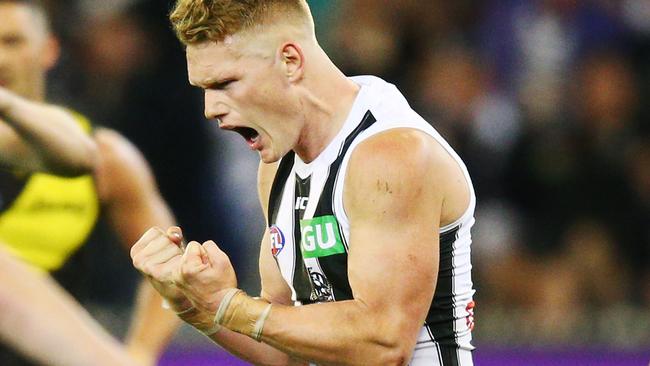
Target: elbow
x,y
392,347
397,354
394,343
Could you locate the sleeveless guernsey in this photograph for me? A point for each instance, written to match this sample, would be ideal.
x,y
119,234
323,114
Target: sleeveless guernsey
x,y
310,229
44,219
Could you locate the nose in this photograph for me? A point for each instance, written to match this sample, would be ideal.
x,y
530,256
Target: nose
x,y
215,106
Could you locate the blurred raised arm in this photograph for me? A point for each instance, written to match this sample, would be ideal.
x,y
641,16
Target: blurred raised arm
x,y
40,137
132,204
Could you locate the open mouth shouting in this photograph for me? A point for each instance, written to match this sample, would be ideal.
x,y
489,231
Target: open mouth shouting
x,y
251,136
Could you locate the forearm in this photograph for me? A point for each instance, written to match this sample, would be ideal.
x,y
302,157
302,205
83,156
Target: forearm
x,y
40,320
341,333
239,345
252,351
151,327
48,138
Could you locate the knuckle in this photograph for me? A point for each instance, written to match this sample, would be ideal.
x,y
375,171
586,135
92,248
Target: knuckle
x,y
135,250
139,262
147,268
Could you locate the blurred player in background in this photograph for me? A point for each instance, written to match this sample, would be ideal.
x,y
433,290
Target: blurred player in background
x,y
45,218
369,210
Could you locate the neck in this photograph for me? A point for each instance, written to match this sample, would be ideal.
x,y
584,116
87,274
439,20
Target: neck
x,y
326,105
38,92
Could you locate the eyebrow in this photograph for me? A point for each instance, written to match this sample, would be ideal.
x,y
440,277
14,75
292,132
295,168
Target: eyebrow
x,y
214,82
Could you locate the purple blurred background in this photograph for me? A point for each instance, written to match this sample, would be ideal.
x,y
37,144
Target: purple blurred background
x,y
483,357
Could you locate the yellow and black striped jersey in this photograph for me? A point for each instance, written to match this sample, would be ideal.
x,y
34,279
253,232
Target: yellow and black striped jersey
x,y
44,218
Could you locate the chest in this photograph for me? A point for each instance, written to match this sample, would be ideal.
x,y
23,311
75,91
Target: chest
x,y
308,241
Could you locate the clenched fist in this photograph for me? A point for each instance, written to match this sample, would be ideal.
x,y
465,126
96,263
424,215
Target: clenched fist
x,y
158,256
204,271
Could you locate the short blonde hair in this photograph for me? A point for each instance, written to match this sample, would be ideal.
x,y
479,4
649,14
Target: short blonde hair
x,y
197,21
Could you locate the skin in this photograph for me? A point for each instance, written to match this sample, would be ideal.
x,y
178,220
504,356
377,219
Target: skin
x,y
132,203
39,319
34,135
423,189
270,92
126,188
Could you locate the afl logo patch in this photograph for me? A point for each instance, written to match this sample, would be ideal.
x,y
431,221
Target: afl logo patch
x,y
277,240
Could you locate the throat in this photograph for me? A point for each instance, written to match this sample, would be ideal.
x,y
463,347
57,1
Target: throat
x,y
315,139
324,118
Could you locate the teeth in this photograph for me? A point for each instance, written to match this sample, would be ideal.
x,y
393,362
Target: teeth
x,y
255,138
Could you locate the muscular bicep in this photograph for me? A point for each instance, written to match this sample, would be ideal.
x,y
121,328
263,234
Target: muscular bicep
x,y
394,206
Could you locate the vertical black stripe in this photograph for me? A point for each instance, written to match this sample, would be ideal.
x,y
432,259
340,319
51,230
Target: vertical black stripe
x,y
441,313
301,278
335,267
327,197
281,175
449,356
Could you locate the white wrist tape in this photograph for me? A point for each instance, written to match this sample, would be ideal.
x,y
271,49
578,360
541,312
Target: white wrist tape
x,y
259,324
243,314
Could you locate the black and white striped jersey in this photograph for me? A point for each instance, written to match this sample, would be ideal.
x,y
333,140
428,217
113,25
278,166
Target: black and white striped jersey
x,y
310,229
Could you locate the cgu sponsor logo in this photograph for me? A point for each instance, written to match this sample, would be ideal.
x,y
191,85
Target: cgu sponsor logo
x,y
320,237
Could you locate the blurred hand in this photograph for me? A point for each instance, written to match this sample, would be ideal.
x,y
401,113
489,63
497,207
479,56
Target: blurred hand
x,y
203,272
157,255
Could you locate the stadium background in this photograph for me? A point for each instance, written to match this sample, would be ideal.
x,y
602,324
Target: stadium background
x,y
547,101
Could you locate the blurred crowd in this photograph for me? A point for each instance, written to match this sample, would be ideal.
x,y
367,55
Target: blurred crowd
x,y
547,101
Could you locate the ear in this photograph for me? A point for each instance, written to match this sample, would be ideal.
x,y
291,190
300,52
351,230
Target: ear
x,y
293,61
51,52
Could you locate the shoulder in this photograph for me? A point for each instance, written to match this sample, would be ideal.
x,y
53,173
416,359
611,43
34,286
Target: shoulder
x,y
122,167
403,151
397,166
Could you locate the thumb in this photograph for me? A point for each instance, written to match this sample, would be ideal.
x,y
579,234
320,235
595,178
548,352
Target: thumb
x,y
175,234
